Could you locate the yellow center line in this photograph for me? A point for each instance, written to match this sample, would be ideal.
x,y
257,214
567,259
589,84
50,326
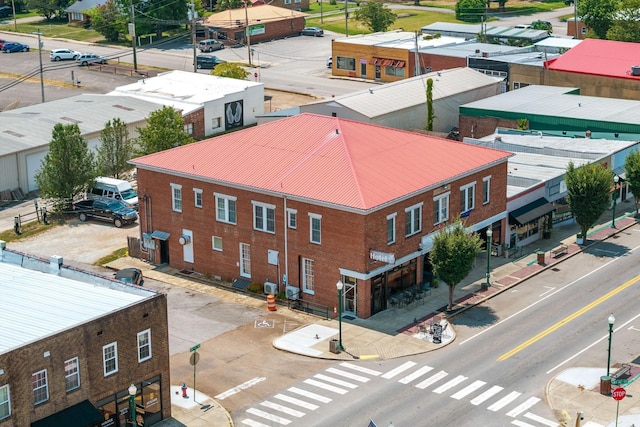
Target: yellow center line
x,y
568,319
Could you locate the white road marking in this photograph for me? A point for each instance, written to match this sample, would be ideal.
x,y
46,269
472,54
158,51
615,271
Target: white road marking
x,y
632,328
360,369
541,420
268,416
295,401
487,394
253,423
335,381
239,388
521,424
549,290
468,390
392,373
349,375
420,372
433,379
284,409
325,386
504,401
523,407
310,395
454,382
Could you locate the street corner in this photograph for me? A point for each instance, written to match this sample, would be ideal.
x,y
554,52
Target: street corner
x,y
434,331
305,340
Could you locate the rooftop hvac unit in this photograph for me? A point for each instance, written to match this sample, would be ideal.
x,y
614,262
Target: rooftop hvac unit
x,y
292,292
635,70
270,288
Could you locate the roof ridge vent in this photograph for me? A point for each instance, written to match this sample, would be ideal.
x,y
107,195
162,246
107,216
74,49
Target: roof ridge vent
x,y
635,70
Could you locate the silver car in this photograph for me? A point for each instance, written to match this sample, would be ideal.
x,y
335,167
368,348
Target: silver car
x,y
90,58
63,54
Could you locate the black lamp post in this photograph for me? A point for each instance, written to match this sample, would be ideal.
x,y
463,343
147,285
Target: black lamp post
x,y
611,322
132,403
340,286
616,179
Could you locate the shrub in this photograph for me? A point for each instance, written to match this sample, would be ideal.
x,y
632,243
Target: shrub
x,y
255,288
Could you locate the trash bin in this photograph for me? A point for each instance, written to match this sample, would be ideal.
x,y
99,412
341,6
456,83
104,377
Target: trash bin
x,y
540,257
605,385
334,346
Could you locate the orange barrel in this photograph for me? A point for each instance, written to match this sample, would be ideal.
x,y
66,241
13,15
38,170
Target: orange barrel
x,y
271,302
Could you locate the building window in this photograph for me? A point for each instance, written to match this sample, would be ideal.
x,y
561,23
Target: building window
x,y
176,197
5,402
225,208
144,345
216,122
391,228
76,16
486,189
110,358
394,71
72,374
308,280
292,218
287,1
441,208
413,220
345,63
315,228
264,217
197,197
216,243
40,387
467,196
188,128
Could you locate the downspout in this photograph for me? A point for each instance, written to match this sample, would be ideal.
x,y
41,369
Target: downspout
x,y
286,241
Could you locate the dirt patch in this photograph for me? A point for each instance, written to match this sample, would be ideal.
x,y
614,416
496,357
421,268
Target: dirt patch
x,y
282,100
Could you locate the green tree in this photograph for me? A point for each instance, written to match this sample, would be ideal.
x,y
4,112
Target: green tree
x,y
109,20
375,16
632,170
470,10
228,4
49,8
597,15
68,168
453,255
115,150
430,115
626,25
164,130
230,70
589,193
157,16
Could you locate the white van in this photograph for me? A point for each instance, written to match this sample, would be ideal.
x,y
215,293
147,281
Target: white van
x,y
115,189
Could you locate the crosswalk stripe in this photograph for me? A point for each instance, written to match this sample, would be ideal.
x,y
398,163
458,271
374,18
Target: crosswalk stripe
x,y
335,381
541,420
487,394
349,375
392,373
295,401
361,369
325,386
253,423
521,424
504,401
434,378
268,416
310,395
468,390
454,382
523,407
416,374
284,409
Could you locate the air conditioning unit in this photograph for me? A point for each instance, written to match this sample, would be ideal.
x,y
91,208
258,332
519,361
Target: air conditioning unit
x,y
292,292
270,288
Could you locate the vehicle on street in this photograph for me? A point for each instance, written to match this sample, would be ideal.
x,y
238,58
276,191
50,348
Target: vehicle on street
x,y
5,11
312,31
210,62
210,45
105,209
113,188
63,54
2,42
330,62
90,58
10,47
130,275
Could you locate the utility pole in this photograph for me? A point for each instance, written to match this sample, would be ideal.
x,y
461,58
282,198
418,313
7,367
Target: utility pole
x,y
246,17
575,19
40,57
193,36
132,33
15,21
346,18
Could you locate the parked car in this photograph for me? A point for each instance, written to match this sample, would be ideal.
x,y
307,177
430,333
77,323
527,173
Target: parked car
x,y
5,11
10,47
2,42
90,58
205,61
210,45
63,54
312,31
105,209
130,275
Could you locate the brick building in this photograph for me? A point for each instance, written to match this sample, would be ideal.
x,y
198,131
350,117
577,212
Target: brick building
x,y
68,358
303,202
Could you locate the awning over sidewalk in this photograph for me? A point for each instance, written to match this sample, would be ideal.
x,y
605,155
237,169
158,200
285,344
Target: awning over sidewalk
x,y
160,235
83,414
531,211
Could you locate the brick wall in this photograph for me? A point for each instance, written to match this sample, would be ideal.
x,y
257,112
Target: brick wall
x,y
478,127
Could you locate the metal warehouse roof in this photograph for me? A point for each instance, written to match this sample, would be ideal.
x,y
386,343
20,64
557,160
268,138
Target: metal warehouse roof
x,y
399,39
471,30
36,305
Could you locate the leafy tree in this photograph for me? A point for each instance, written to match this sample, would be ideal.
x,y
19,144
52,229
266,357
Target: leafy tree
x,y
108,19
430,115
632,170
49,8
375,16
157,16
228,4
589,193
470,10
453,255
626,25
230,70
164,130
68,168
597,15
115,150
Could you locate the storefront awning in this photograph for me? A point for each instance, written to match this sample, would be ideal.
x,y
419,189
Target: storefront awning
x,y
531,211
386,62
83,414
160,235
621,173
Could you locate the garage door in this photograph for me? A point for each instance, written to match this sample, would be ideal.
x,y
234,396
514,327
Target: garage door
x,y
34,162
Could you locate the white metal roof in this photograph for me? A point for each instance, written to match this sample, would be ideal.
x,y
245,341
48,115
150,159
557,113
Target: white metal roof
x,y
400,40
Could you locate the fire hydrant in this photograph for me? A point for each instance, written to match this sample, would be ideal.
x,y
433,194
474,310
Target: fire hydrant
x,y
184,390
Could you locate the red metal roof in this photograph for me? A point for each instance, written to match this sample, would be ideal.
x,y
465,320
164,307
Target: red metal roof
x,y
326,159
600,57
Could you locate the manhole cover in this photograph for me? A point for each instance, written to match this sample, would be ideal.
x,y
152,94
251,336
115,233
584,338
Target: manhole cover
x,y
556,269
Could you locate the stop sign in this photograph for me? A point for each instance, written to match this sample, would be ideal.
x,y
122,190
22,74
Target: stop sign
x,y
619,393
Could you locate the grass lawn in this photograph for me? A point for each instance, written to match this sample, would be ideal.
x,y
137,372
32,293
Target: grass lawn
x,y
54,29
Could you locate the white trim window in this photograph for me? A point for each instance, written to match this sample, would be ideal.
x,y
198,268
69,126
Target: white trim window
x,y
144,345
315,228
413,219
308,276
441,208
391,228
5,402
264,217
197,197
110,358
72,374
176,197
216,243
486,190
40,387
225,208
292,218
467,197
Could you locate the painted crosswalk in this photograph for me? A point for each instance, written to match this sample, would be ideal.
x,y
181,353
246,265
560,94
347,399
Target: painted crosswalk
x,y
310,395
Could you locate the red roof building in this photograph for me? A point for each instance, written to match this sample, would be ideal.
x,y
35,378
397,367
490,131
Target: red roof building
x,y
306,201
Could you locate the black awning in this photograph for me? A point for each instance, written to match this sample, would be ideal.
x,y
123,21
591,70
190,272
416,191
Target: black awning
x,y
531,211
83,414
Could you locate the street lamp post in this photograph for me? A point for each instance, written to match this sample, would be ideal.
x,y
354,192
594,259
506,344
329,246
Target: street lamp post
x,y
616,179
611,320
489,234
340,286
132,403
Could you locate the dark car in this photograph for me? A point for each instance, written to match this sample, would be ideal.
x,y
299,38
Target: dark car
x,y
5,11
312,31
10,47
130,275
204,61
106,209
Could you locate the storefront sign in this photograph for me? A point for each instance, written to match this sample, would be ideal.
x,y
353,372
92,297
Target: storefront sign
x,y
382,256
256,30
